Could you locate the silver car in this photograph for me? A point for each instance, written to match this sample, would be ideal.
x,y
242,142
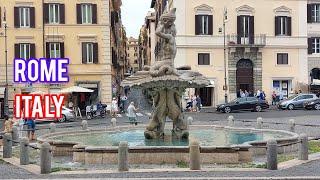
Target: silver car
x,y
296,101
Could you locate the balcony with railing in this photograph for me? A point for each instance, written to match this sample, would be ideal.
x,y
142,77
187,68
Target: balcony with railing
x,y
234,40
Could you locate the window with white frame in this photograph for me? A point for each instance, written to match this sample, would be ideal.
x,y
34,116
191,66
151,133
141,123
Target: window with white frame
x,y
55,50
25,51
24,16
54,14
315,12
88,48
86,15
316,45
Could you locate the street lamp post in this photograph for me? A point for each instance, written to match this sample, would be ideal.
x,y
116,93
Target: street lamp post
x,y
6,104
225,17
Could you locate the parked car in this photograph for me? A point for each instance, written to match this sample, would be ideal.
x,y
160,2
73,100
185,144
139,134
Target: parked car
x,y
246,103
67,114
296,101
313,104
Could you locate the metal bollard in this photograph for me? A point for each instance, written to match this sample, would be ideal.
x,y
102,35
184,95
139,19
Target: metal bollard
x,y
230,121
194,154
272,153
84,125
259,123
303,147
114,122
15,135
24,151
45,158
123,156
292,125
52,127
190,120
7,145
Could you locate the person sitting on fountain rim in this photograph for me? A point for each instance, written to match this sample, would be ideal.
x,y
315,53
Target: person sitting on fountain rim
x,y
132,113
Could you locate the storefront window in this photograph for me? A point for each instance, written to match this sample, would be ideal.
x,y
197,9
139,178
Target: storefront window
x,y
282,88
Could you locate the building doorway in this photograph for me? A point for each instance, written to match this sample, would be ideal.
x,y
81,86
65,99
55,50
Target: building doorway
x,y
244,75
206,96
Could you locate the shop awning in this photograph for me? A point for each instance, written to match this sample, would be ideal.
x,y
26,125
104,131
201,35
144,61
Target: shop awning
x,y
38,92
75,89
211,84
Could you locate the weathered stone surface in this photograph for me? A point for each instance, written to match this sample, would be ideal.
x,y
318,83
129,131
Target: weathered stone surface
x,y
7,145
303,148
123,157
24,151
195,160
272,153
45,158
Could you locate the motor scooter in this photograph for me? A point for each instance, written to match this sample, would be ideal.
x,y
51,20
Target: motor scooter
x,y
94,112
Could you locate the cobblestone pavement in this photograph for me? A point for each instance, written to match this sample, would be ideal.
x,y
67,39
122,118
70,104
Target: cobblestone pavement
x,y
301,117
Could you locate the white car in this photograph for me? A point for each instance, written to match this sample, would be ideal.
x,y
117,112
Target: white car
x,y
67,114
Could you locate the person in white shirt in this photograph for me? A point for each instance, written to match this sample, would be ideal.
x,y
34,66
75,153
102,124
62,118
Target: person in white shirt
x,y
132,113
114,107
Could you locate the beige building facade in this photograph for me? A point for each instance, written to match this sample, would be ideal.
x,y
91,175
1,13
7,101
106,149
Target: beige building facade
x,y
266,45
74,29
133,54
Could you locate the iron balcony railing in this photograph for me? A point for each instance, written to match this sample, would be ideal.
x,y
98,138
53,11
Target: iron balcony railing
x,y
250,40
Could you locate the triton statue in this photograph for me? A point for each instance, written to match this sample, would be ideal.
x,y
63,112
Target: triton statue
x,y
166,83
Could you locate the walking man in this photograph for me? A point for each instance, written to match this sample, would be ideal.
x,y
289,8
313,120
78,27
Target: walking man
x,y
132,110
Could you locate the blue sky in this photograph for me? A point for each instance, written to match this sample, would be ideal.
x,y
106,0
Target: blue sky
x,y
133,15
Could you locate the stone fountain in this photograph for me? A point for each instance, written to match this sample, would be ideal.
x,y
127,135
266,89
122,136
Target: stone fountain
x,y
166,83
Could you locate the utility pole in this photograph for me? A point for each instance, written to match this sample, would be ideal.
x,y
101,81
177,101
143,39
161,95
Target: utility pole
x,y
6,104
225,18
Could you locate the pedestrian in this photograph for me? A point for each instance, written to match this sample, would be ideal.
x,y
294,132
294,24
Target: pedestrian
x,y
300,91
31,129
198,99
242,94
132,110
194,104
274,98
262,95
258,94
239,93
246,93
251,94
123,102
114,107
8,124
280,95
189,103
20,123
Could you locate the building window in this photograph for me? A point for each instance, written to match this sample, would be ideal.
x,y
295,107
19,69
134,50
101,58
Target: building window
x,y
203,24
245,29
54,13
203,59
89,53
25,51
282,58
316,45
314,13
24,16
86,10
55,50
283,26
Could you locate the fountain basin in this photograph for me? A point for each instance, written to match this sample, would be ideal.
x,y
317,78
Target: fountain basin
x,y
218,144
